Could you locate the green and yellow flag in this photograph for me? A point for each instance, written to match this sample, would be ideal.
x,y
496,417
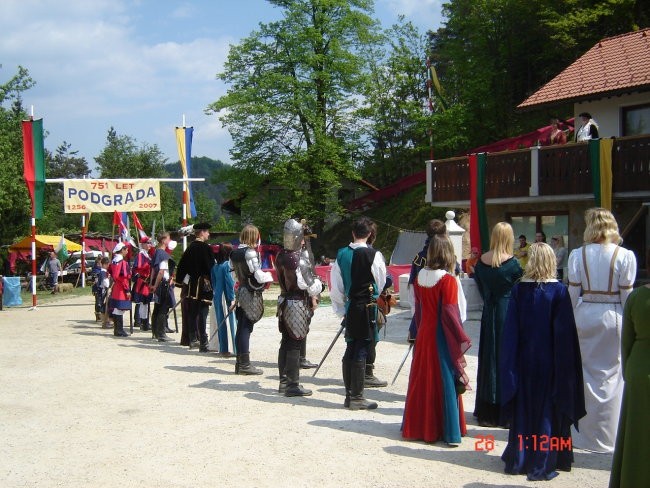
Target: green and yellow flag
x,y
600,156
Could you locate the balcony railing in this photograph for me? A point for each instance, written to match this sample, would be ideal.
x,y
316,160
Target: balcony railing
x,y
544,171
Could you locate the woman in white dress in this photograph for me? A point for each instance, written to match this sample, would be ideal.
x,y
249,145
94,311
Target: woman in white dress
x,y
605,274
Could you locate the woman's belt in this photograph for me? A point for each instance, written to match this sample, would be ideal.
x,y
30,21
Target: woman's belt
x,y
590,296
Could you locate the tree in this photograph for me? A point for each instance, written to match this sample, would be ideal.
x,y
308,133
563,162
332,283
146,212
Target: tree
x,y
294,87
492,54
123,157
64,164
14,199
396,106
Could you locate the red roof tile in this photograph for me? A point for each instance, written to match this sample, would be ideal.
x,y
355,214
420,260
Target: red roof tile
x,y
619,64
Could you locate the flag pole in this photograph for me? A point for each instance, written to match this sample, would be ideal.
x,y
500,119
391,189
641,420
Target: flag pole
x,y
185,200
83,250
33,225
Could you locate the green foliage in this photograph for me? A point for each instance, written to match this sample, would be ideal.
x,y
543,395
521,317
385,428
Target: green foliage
x,y
407,211
207,194
396,106
65,163
291,109
491,55
14,199
123,157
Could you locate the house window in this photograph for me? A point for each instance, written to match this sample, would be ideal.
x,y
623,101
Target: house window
x,y
530,223
636,120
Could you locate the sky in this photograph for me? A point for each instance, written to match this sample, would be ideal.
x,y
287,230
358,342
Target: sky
x,y
140,66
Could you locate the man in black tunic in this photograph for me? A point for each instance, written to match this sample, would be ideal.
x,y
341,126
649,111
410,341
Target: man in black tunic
x,y
194,270
358,275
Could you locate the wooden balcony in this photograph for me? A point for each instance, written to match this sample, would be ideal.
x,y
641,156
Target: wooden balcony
x,y
554,172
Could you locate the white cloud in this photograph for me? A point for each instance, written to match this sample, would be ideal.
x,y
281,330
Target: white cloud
x,y
95,67
425,13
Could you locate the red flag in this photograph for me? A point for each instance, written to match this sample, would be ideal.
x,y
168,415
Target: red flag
x,y
34,164
138,226
117,219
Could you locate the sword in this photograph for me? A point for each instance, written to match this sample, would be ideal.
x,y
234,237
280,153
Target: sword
x,y
173,309
228,312
105,317
402,363
328,350
175,318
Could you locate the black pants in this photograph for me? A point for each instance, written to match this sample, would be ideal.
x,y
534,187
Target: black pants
x,y
197,318
288,343
244,331
356,350
372,351
100,299
161,307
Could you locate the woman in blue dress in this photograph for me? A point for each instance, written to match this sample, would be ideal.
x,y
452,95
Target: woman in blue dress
x,y
540,368
223,285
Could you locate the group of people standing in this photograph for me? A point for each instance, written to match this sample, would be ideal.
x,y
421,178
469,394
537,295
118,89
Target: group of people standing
x,y
557,244
551,362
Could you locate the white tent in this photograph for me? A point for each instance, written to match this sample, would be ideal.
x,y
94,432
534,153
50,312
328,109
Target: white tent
x,y
408,244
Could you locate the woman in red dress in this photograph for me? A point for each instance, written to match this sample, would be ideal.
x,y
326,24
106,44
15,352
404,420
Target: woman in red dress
x,y
434,406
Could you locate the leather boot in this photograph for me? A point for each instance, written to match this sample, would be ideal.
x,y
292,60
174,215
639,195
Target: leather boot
x,y
347,365
160,329
245,366
237,364
118,326
203,346
292,370
304,362
98,317
144,325
357,377
371,381
194,342
282,362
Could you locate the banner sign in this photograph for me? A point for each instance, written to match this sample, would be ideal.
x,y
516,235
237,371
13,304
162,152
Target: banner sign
x,y
83,196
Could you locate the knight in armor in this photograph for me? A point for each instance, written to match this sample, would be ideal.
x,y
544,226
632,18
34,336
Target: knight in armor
x,y
299,291
120,299
194,269
245,263
358,275
308,256
141,274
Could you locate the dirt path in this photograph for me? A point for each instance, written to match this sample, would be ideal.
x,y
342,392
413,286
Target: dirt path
x,y
80,408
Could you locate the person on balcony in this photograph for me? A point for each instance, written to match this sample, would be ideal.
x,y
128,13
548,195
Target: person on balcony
x,y
589,128
557,135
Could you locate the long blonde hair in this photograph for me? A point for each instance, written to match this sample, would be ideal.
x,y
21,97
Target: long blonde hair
x,y
501,243
541,264
600,226
249,235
